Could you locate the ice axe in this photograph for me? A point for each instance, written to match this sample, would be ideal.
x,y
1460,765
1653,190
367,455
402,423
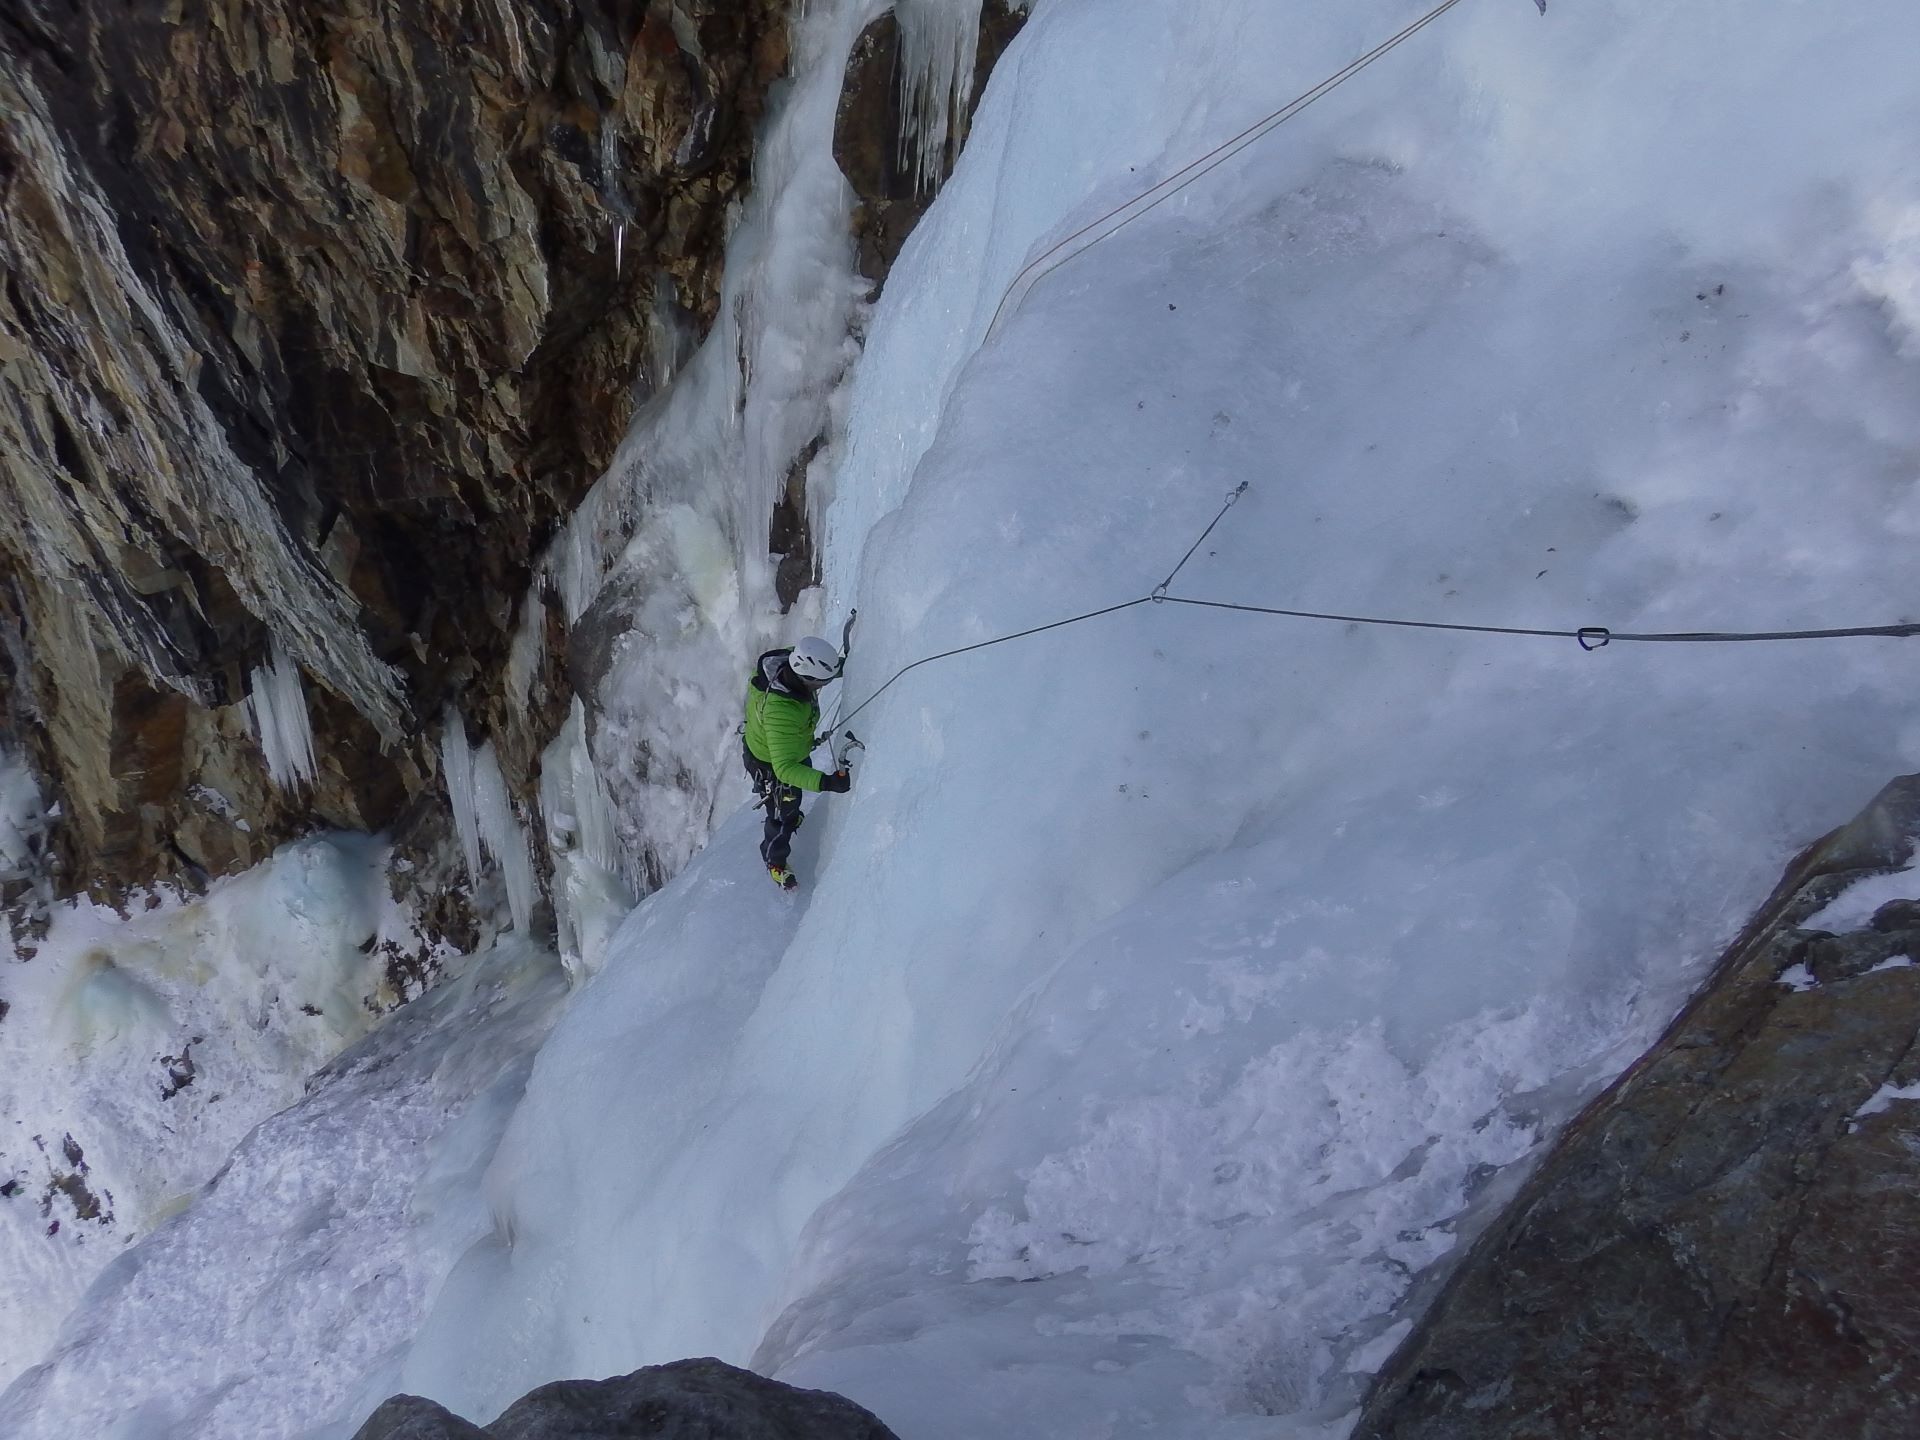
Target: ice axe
x,y
843,751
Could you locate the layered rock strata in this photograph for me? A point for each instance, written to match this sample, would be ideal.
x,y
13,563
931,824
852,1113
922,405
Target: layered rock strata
x,y
1721,1244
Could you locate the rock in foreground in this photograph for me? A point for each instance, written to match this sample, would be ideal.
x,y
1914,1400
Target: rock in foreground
x,y
687,1400
1722,1245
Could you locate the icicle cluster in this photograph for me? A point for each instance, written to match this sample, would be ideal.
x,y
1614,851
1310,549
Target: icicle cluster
x,y
484,820
456,768
277,707
938,43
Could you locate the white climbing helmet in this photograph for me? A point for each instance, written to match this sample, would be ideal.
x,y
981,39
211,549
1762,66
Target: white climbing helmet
x,y
815,659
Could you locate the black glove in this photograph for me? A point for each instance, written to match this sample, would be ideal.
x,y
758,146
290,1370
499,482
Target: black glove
x,y
840,782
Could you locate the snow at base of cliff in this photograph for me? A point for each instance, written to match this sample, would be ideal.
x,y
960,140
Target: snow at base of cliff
x,y
1177,992
138,1049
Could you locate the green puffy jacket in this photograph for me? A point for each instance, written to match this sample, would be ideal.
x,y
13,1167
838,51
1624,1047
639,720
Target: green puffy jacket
x,y
781,714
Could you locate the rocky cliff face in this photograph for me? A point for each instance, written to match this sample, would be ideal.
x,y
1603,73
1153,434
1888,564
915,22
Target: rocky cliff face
x,y
316,320
687,1400
1721,1245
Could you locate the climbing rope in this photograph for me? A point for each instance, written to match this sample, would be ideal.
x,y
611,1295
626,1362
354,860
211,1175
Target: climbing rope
x,y
1589,637
1044,263
846,719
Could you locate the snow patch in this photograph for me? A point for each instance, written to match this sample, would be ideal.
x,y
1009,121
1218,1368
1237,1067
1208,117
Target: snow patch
x,y
1854,906
1885,1097
317,1244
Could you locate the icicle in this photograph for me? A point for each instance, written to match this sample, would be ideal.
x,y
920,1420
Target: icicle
x,y
529,645
619,246
277,706
483,817
590,896
456,767
938,43
503,835
668,338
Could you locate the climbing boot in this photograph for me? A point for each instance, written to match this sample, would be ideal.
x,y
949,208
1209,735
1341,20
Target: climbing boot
x,y
784,877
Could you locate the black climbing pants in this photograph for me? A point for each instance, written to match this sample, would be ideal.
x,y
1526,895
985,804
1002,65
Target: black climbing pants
x,y
782,804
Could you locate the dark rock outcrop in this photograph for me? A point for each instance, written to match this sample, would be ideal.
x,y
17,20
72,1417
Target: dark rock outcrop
x,y
872,141
315,320
1722,1245
687,1400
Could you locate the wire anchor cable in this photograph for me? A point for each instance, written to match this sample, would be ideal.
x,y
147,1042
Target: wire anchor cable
x,y
1160,590
1588,637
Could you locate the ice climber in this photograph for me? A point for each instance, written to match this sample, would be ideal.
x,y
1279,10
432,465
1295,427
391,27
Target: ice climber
x,y
778,750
